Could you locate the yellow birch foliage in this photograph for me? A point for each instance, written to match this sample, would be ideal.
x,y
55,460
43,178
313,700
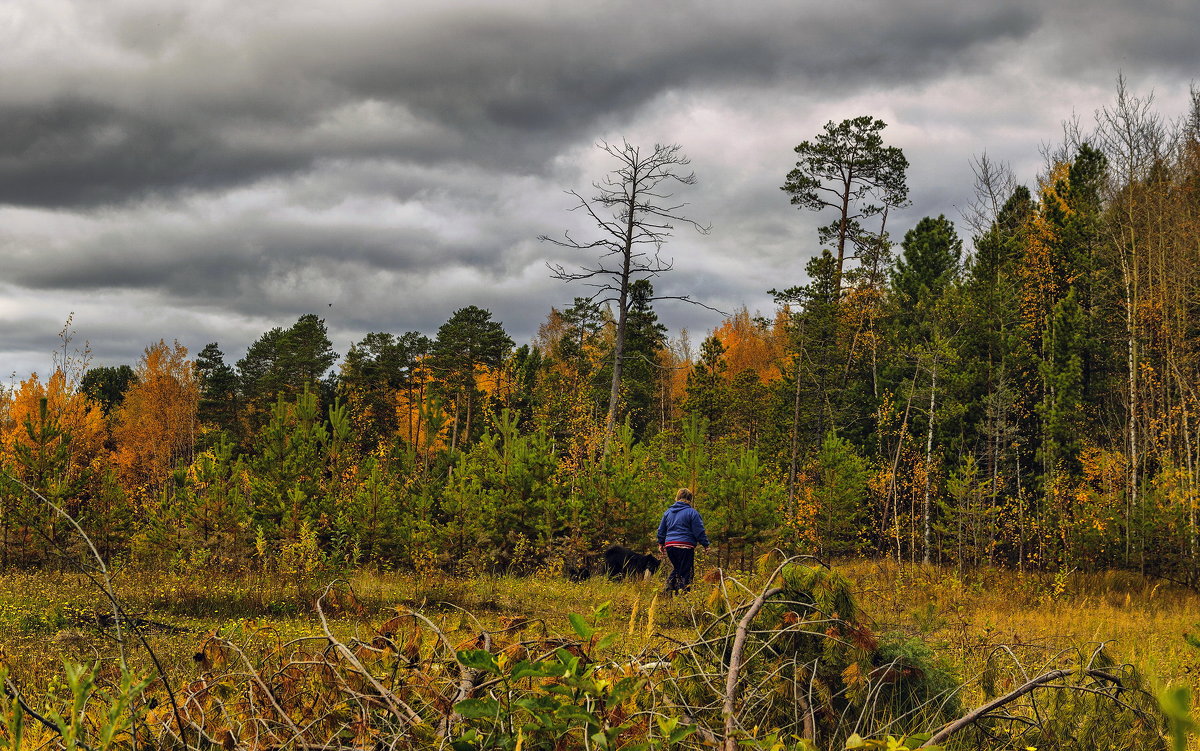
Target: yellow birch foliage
x,y
495,383
799,518
550,332
672,383
155,426
1040,282
75,413
751,346
423,421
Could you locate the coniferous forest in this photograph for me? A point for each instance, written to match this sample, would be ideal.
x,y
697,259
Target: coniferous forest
x,y
1016,387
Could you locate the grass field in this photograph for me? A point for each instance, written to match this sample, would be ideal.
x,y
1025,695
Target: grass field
x,y
48,617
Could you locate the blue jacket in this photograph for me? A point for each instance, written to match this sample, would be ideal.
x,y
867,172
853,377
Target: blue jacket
x,y
682,523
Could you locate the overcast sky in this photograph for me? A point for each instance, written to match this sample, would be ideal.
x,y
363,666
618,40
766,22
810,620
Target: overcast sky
x,y
207,170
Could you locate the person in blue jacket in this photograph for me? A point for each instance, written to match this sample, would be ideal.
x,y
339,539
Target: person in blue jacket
x,y
679,532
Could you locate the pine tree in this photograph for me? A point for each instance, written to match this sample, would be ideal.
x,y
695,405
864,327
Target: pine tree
x,y
107,385
707,389
838,476
375,371
1062,408
923,277
847,168
929,265
995,369
468,341
285,363
644,339
219,405
43,462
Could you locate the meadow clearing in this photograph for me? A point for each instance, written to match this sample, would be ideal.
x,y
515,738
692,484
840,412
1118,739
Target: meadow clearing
x,y
50,617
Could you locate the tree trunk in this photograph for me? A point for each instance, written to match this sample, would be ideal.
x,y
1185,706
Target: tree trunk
x,y
470,400
895,495
843,227
1190,485
614,394
1190,467
1131,384
795,434
929,463
1020,515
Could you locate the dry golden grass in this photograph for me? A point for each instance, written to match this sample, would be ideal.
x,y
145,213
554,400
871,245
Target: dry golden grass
x,y
1144,619
46,617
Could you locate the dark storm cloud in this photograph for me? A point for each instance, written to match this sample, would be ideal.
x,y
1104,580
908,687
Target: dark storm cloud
x,y
284,245
208,171
1081,38
560,70
75,151
190,107
79,152
199,266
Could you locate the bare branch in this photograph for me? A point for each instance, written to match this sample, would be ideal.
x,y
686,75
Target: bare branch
x,y
468,680
980,712
401,710
994,183
254,676
690,301
104,583
732,688
10,690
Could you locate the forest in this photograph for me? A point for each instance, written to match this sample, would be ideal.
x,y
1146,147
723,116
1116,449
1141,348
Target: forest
x,y
1009,400
1024,397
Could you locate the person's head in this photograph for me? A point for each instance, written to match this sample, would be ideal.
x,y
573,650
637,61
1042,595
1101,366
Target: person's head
x,y
683,494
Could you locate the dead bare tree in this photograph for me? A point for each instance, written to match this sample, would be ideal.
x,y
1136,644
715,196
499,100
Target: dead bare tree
x,y
635,213
994,184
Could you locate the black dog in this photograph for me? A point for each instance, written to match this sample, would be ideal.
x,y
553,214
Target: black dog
x,y
620,562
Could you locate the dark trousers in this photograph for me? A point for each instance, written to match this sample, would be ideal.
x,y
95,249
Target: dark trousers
x,y
683,561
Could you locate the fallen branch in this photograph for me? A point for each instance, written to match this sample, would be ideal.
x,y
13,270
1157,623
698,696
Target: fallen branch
x,y
400,709
297,736
104,583
10,690
981,712
468,680
732,687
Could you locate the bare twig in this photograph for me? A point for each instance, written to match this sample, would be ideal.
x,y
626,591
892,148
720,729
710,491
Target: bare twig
x,y
10,689
254,676
104,584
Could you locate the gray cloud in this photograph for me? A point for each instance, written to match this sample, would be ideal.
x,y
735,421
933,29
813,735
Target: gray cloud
x,y
209,170
171,102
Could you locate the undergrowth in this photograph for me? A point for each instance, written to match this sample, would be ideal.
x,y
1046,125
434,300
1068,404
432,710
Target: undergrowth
x,y
944,641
